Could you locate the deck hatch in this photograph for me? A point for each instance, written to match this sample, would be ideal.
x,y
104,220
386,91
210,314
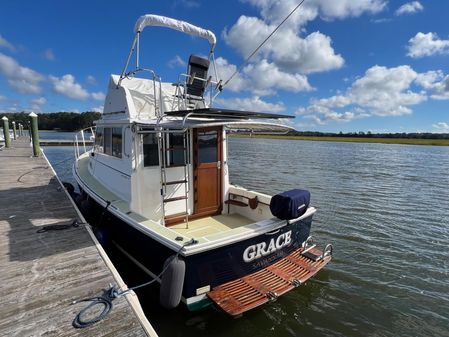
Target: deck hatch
x,y
243,294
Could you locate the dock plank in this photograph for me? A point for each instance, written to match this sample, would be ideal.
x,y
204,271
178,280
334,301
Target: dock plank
x,y
43,273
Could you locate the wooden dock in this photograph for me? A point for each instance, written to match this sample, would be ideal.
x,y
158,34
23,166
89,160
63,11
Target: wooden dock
x,y
41,274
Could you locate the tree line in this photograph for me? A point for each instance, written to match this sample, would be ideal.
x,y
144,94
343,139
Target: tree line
x,y
61,121
72,121
361,134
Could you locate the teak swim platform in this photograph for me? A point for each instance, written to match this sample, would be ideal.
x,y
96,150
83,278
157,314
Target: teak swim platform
x,y
42,272
266,285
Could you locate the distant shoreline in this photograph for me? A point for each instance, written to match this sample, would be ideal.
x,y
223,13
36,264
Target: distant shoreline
x,y
404,141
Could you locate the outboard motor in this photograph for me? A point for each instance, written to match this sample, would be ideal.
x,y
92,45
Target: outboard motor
x,y
290,204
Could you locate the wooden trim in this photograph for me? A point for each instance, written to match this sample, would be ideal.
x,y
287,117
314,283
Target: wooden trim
x,y
175,219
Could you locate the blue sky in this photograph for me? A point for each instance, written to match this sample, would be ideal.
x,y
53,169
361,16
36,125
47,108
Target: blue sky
x,y
347,65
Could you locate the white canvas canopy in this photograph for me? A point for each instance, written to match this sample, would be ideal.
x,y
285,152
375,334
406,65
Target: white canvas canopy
x,y
182,26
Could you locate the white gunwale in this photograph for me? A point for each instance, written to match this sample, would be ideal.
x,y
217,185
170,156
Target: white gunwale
x,y
167,235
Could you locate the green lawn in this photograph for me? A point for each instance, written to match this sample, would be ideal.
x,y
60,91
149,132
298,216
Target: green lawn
x,y
437,142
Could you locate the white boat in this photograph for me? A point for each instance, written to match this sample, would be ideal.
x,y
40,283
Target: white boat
x,y
157,180
2,136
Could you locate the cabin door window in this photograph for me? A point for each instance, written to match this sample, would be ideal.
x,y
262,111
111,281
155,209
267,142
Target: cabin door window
x,y
207,170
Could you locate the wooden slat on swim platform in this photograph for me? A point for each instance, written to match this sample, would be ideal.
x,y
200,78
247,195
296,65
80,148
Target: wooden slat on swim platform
x,y
243,294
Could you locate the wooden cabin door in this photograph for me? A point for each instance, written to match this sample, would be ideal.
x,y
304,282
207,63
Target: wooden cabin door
x,y
207,159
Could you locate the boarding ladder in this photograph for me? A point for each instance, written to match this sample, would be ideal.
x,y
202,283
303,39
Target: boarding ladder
x,y
184,181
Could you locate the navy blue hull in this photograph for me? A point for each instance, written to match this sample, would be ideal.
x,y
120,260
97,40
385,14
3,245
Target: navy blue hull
x,y
210,268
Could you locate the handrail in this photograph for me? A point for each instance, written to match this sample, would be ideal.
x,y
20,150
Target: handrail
x,y
80,140
156,78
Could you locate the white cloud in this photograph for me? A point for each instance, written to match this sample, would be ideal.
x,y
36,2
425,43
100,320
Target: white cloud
x,y
275,11
410,8
177,61
288,50
381,20
250,104
67,86
91,79
436,82
21,79
225,71
264,77
6,44
261,78
426,45
381,91
428,79
39,101
49,55
386,91
2,98
97,109
441,126
186,3
349,8
285,60
99,96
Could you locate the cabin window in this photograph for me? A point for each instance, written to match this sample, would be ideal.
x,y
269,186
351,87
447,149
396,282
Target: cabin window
x,y
99,140
110,142
107,138
175,153
117,142
150,150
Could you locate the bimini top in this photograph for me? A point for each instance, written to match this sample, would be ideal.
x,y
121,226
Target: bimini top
x,y
182,26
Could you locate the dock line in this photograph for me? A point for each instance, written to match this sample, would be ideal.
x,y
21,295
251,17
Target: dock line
x,y
113,292
75,223
130,295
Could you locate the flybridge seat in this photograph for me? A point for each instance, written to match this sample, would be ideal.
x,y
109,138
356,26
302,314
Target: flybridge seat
x,y
197,70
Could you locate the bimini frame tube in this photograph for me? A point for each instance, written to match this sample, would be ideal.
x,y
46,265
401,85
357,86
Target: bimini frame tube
x,y
129,57
162,21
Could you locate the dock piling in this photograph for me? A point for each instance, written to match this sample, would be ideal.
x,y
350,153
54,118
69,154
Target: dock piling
x,y
14,131
35,134
6,131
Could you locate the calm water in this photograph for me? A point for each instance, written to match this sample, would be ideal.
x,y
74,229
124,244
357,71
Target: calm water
x,y
56,135
385,208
